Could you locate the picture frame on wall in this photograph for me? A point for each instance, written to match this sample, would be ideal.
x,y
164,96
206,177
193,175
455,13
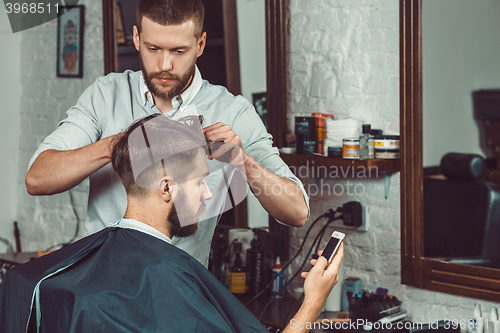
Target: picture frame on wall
x,y
259,102
120,29
70,29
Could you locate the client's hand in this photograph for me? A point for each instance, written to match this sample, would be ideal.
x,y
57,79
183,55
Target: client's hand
x,y
317,286
320,280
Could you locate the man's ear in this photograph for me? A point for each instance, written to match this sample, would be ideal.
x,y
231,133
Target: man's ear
x,y
136,38
202,42
168,189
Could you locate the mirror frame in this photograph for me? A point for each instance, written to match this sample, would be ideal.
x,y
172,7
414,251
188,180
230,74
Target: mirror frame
x,y
277,40
416,271
110,45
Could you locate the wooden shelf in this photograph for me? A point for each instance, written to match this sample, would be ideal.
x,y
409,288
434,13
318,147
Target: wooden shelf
x,y
359,165
338,167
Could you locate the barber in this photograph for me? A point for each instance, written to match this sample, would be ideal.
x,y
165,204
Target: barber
x,y
169,39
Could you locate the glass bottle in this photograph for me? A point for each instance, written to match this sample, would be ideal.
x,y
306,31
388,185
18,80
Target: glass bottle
x,y
366,151
238,275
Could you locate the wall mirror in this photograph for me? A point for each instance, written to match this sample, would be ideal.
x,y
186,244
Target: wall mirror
x,y
417,99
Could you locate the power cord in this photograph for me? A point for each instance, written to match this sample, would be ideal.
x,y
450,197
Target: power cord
x,y
291,260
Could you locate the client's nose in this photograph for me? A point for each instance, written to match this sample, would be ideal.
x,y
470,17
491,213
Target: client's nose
x,y
207,194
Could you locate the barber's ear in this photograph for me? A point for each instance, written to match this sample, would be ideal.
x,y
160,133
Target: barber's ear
x,y
136,38
168,189
202,42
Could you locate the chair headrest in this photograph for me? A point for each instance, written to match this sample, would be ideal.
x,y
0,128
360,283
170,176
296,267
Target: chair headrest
x,y
463,166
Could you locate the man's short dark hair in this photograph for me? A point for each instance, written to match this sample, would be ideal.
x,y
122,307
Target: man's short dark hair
x,y
176,142
171,12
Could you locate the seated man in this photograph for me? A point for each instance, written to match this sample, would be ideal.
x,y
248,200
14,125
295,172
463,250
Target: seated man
x,y
129,278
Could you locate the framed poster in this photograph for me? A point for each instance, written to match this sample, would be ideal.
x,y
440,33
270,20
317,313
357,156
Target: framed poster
x,y
70,42
259,102
120,30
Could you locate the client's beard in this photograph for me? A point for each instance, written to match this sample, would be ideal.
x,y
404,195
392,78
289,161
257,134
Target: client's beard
x,y
173,218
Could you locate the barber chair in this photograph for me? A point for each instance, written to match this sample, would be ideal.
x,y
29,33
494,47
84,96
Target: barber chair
x,y
461,212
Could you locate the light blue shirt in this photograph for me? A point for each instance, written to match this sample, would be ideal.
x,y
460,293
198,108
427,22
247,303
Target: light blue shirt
x,y
113,102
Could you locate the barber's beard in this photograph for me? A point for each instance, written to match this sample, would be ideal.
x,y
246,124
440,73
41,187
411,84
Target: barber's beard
x,y
186,214
175,90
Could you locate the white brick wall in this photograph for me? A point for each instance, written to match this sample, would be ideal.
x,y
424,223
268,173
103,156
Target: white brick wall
x,y
46,221
344,57
10,94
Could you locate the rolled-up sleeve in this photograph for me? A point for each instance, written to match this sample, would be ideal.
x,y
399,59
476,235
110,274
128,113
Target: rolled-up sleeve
x,y
83,123
258,143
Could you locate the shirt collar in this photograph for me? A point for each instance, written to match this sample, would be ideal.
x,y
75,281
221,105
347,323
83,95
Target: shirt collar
x,y
178,102
142,227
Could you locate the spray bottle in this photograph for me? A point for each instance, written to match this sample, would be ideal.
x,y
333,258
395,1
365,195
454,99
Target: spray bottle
x,y
476,321
277,290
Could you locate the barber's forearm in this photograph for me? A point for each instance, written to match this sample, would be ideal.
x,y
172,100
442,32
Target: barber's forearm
x,y
304,318
280,197
57,171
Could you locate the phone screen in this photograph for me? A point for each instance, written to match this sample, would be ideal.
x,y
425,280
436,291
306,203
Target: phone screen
x,y
330,247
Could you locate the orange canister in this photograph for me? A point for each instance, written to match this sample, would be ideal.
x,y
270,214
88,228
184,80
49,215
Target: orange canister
x,y
350,148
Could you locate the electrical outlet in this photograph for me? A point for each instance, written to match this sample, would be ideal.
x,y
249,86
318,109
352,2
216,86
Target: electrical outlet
x,y
339,224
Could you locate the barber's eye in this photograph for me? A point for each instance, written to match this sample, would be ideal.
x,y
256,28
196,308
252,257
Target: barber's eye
x,y
179,52
153,49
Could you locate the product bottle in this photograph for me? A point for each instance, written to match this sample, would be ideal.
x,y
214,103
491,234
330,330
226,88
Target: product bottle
x,y
217,258
238,283
255,258
366,144
320,135
476,321
493,322
226,272
277,290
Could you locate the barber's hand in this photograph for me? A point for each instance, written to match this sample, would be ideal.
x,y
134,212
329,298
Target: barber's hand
x,y
320,280
112,140
222,132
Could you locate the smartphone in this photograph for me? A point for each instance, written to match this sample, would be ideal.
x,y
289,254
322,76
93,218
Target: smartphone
x,y
333,245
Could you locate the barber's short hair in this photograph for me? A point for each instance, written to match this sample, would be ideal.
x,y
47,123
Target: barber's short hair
x,y
171,12
154,146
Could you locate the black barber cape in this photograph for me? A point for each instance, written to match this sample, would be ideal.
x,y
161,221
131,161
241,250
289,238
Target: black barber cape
x,y
119,280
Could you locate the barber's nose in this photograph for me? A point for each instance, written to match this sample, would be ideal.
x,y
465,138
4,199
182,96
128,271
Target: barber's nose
x,y
166,62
